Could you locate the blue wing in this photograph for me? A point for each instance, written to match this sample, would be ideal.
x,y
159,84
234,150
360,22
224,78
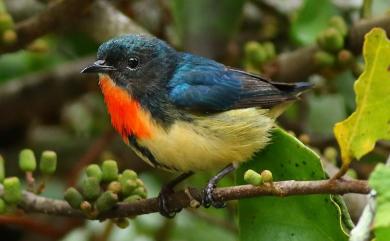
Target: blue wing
x,y
203,84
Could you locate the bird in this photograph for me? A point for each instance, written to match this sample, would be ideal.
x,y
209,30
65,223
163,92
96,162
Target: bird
x,y
186,113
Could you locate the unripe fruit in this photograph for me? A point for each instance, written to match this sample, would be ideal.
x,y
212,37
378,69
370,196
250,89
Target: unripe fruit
x,y
132,198
106,201
90,188
266,175
6,22
338,23
3,206
330,154
86,207
324,59
114,187
128,186
94,170
122,223
48,163
12,190
73,197
141,191
330,40
255,53
345,58
129,174
9,36
27,161
269,49
2,169
38,46
253,177
110,171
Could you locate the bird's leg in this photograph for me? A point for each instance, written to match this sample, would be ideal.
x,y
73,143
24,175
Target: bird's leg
x,y
167,190
208,199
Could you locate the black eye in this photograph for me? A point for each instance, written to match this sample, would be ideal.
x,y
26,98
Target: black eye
x,y
133,63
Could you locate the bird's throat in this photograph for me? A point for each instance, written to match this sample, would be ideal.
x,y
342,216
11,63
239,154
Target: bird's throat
x,y
127,115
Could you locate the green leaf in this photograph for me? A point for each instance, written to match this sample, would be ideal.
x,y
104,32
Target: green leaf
x,y
310,217
371,120
311,19
380,181
205,26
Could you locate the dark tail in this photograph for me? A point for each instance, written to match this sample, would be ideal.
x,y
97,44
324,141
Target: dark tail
x,y
294,89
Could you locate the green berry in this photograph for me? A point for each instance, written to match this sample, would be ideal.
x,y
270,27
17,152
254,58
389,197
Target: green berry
x,y
110,170
141,191
48,163
73,197
3,206
266,175
255,53
330,154
128,186
106,201
6,22
330,40
86,207
132,198
9,36
269,49
338,23
27,161
12,190
2,169
324,59
90,188
129,174
94,170
252,177
122,223
115,187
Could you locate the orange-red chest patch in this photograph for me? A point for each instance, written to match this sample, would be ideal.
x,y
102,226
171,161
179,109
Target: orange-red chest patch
x,y
127,116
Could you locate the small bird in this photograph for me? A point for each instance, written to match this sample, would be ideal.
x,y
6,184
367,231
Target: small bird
x,y
186,113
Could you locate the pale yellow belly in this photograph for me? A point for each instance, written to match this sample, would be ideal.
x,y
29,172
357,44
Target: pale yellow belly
x,y
210,142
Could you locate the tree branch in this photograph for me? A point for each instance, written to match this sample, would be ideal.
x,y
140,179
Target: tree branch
x,y
55,15
191,197
299,64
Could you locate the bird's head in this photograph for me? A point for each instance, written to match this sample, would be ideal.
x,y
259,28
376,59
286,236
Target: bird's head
x,y
135,62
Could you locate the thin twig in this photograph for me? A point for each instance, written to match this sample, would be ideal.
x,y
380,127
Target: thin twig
x,y
38,204
55,15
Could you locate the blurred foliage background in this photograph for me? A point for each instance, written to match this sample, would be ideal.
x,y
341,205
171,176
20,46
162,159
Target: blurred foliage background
x,y
46,104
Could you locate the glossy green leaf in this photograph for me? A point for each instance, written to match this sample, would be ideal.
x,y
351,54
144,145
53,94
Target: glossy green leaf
x,y
294,218
371,120
310,19
380,181
203,26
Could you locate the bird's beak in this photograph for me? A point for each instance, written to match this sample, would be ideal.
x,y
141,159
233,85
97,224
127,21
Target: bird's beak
x,y
98,67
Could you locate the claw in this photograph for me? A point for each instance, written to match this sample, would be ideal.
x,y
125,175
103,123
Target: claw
x,y
165,192
163,203
207,194
208,199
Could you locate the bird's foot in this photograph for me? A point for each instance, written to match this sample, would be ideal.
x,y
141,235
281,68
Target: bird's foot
x,y
208,199
163,198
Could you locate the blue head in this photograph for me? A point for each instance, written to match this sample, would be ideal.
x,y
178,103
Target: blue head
x,y
138,63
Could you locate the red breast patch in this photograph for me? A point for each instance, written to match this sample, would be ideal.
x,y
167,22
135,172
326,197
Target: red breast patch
x,y
127,116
